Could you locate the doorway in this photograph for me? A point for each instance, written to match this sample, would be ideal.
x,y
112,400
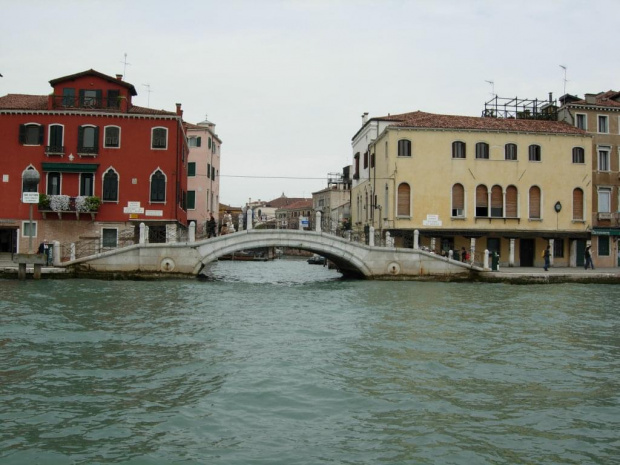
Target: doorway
x,y
8,240
526,252
580,248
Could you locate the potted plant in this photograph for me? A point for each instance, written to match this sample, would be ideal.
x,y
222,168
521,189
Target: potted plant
x,y
93,203
44,202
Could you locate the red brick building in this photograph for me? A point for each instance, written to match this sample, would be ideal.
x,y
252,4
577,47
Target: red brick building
x,y
105,165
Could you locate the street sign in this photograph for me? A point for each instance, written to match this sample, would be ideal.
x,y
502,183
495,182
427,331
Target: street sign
x,y
30,197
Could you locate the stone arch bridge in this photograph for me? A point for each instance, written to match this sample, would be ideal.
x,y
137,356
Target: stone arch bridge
x,y
352,259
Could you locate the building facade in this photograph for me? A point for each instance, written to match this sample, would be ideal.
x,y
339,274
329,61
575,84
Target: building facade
x,y
599,115
334,201
203,169
105,165
509,186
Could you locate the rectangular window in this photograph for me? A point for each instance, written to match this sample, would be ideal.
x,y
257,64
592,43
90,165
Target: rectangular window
x,y
603,158
109,237
581,121
86,184
511,151
191,168
534,152
112,137
191,200
194,141
88,140
53,183
68,97
159,139
482,150
90,98
26,231
603,124
604,200
113,99
603,246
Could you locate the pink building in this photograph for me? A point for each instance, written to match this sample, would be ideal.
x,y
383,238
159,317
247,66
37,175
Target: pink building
x,y
203,180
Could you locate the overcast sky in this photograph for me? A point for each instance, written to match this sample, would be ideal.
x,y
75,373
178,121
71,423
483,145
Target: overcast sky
x,y
286,82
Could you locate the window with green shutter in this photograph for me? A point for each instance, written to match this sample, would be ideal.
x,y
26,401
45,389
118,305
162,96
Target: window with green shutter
x,y
191,200
191,168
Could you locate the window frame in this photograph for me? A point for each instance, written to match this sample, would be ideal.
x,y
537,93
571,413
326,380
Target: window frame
x,y
151,186
455,211
534,153
599,120
82,148
25,134
52,135
579,153
578,216
459,148
606,152
510,152
401,207
83,177
584,117
26,223
404,148
600,190
105,137
165,138
531,204
600,251
103,185
191,194
191,169
482,151
48,186
103,244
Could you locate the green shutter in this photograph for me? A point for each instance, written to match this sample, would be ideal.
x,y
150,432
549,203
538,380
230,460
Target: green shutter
x,y
198,140
22,133
191,169
191,200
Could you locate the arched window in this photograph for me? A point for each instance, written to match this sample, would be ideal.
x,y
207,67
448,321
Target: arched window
x,y
31,134
497,202
482,200
404,200
110,186
404,148
579,155
458,201
534,153
510,151
458,149
55,140
386,202
158,187
577,204
482,150
535,198
512,202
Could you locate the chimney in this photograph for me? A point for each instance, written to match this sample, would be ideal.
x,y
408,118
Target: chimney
x,y
550,97
179,111
364,118
590,98
119,77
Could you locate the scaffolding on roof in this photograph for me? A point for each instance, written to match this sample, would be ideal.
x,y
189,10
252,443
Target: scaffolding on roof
x,y
518,108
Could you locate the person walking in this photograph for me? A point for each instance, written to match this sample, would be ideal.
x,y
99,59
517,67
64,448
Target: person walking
x,y
588,256
211,227
547,257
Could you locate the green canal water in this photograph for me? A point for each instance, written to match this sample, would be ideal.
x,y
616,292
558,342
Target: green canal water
x,y
283,363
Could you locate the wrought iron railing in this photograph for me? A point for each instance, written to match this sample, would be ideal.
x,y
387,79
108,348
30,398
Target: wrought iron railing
x,y
54,150
91,103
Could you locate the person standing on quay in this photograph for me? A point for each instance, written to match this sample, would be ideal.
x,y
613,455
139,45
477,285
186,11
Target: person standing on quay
x,y
547,256
588,256
211,227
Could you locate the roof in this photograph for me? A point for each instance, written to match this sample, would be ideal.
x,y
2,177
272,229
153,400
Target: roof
x,y
92,72
39,102
299,204
283,201
611,98
423,120
23,102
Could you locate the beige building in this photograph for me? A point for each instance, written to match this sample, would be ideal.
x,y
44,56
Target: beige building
x,y
599,115
334,201
511,186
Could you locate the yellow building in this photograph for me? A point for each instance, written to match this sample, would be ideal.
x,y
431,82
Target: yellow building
x,y
511,186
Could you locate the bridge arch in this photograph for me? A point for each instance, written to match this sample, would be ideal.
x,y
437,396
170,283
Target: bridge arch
x,y
346,255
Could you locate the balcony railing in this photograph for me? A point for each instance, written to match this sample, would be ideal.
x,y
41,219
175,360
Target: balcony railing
x,y
87,151
91,103
54,150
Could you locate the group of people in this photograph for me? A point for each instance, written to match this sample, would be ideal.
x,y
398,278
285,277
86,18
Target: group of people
x,y
587,256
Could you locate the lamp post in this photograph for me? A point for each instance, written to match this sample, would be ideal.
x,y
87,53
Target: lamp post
x,y
31,196
558,208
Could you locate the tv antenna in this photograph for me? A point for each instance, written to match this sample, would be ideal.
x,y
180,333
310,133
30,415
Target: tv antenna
x,y
124,62
492,87
148,99
565,80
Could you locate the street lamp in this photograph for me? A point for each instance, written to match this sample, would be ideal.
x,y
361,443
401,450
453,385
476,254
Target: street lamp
x,y
558,208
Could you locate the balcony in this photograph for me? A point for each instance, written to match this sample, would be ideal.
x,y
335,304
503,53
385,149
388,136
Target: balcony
x,y
54,150
87,151
63,204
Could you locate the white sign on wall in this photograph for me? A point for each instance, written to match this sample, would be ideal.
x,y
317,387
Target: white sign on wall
x,y
432,220
133,207
30,197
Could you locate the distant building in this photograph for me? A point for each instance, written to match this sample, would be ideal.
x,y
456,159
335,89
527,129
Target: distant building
x,y
264,212
105,164
334,202
203,169
290,214
599,115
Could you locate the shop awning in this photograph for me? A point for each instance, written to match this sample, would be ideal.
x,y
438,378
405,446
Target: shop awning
x,y
606,232
71,167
